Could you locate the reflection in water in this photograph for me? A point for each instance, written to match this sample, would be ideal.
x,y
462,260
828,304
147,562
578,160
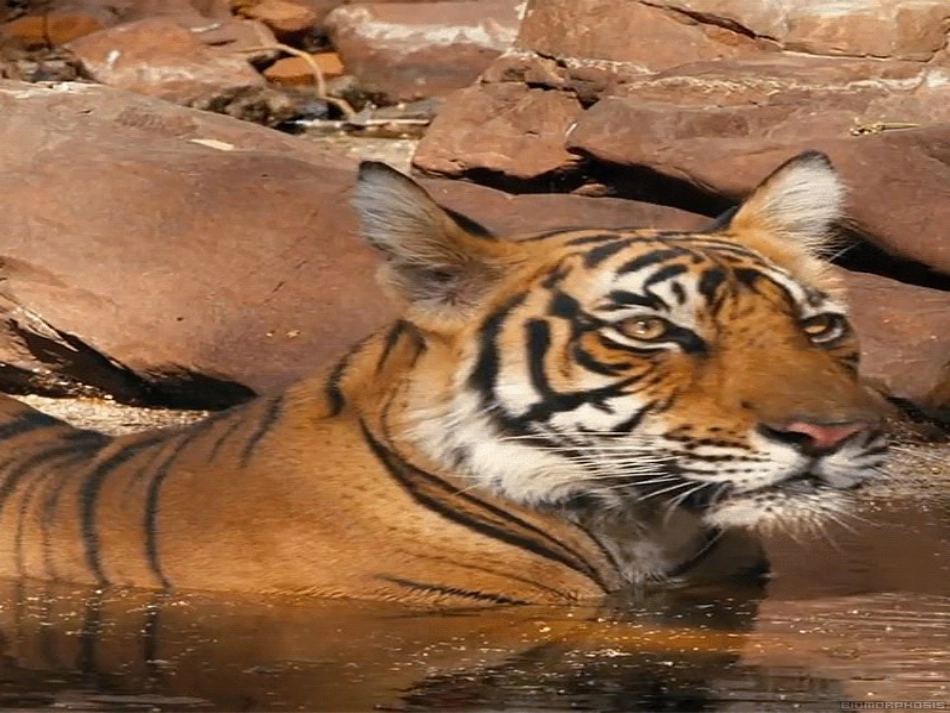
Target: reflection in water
x,y
865,617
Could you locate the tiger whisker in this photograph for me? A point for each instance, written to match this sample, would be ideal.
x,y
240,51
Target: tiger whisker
x,y
679,499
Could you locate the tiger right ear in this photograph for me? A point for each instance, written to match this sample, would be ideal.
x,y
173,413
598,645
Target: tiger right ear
x,y
438,262
800,203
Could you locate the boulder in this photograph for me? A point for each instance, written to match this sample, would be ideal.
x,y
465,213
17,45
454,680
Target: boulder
x,y
408,51
882,28
905,336
728,147
156,253
159,254
643,37
509,129
161,58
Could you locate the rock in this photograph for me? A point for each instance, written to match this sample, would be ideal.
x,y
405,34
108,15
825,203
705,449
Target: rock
x,y
285,17
513,215
905,336
55,28
249,39
158,57
408,51
158,253
508,128
729,148
883,28
162,254
297,71
639,34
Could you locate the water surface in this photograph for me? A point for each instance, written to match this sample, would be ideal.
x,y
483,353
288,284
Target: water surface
x,y
860,614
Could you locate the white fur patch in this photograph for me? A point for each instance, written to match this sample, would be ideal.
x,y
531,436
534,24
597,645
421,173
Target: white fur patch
x,y
804,198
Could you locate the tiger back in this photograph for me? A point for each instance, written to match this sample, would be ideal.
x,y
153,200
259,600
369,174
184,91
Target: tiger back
x,y
552,418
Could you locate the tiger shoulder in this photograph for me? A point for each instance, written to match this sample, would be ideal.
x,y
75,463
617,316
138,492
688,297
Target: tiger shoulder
x,y
550,419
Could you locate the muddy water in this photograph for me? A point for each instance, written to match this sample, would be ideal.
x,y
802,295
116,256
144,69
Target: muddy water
x,y
859,614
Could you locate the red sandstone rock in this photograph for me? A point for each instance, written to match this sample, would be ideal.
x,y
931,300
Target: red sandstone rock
x,y
646,38
160,58
56,28
883,28
409,51
296,71
905,335
284,17
503,128
899,180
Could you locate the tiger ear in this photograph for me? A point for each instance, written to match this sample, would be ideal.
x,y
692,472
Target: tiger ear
x,y
798,205
437,261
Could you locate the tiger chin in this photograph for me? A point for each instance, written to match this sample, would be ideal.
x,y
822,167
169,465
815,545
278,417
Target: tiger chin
x,y
552,418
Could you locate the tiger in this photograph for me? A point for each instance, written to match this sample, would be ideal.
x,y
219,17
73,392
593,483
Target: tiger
x,y
552,418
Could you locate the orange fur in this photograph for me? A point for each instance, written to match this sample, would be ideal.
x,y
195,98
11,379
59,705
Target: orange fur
x,y
353,483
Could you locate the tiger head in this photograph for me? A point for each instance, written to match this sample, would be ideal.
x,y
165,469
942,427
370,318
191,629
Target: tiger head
x,y
713,372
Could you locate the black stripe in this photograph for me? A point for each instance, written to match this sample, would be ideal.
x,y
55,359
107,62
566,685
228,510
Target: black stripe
x,y
89,497
150,514
333,389
709,284
267,421
76,445
25,422
599,254
470,226
485,372
635,418
624,298
429,588
589,362
406,474
679,293
389,343
649,259
238,421
666,273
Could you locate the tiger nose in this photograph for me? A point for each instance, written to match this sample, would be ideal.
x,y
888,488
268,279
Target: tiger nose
x,y
817,437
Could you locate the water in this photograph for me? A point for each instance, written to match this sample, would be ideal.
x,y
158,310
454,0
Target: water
x,y
862,615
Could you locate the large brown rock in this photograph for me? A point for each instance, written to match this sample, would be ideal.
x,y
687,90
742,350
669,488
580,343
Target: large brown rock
x,y
883,28
409,51
155,252
899,180
905,336
161,58
159,253
638,34
506,128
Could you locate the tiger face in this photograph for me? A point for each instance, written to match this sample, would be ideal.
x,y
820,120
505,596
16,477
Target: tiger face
x,y
710,373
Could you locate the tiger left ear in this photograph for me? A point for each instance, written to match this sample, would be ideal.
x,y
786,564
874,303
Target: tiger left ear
x,y
437,262
798,205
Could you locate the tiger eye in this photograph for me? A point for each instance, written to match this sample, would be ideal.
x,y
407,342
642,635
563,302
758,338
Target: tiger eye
x,y
645,328
823,326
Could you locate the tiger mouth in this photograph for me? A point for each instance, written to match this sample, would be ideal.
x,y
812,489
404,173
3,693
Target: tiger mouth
x,y
804,483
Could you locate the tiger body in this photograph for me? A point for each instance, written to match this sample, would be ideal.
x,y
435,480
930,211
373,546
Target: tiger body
x,y
551,419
